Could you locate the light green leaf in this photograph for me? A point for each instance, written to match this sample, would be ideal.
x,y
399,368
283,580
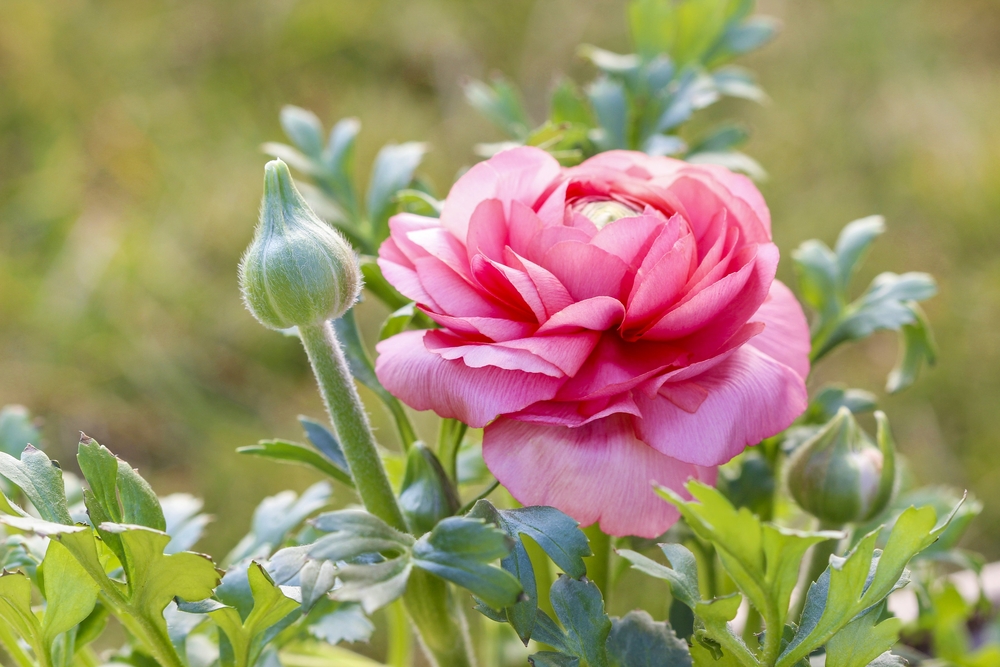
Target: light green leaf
x,y
293,452
500,103
716,615
15,610
41,482
861,641
70,592
397,321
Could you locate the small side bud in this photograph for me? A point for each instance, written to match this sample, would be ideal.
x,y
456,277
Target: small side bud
x,y
427,495
298,271
839,475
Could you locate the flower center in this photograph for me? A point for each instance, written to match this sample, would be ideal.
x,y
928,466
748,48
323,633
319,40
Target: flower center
x,y
603,213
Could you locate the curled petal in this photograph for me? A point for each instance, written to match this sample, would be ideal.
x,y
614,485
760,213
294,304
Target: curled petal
x,y
426,381
597,473
748,397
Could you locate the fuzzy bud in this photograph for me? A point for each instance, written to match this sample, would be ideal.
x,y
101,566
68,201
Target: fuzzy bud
x,y
298,271
839,475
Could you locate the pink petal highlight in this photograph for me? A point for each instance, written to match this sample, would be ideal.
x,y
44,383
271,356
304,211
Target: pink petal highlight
x,y
597,473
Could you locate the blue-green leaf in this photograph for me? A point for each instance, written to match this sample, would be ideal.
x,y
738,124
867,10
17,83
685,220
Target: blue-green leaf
x,y
636,640
392,172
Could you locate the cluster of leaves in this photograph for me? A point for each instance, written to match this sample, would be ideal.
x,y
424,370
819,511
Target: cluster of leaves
x,y
889,303
639,101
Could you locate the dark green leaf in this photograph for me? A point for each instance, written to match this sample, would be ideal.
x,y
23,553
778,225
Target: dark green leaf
x,y
580,608
552,659
460,549
636,640
426,495
293,452
916,346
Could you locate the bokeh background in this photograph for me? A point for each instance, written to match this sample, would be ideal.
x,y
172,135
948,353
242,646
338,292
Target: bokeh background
x,y
130,175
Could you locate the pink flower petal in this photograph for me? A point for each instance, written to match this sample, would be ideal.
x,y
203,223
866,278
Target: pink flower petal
x,y
523,174
786,332
425,381
629,239
585,270
481,355
488,230
492,328
750,397
577,413
597,473
598,314
456,296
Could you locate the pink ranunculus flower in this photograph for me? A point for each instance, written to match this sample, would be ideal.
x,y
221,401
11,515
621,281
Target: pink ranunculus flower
x,y
610,325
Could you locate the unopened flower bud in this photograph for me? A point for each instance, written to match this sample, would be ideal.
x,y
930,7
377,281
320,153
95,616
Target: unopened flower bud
x,y
839,475
298,271
603,213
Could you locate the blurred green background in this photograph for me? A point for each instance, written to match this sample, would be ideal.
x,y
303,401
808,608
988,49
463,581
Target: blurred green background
x,y
130,176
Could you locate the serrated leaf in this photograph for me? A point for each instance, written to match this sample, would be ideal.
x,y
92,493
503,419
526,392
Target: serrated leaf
x,y
580,608
293,452
862,640
270,606
500,103
682,575
716,615
374,586
861,580
276,516
459,549
636,640
100,469
41,481
17,430
392,171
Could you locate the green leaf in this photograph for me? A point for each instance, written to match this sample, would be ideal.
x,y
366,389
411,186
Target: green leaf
x,y
607,97
338,159
459,549
636,640
500,103
41,482
860,581
426,495
421,203
682,575
15,611
293,452
580,608
831,398
569,105
270,606
653,26
716,615
70,593
304,129
694,91
853,244
346,622
818,272
376,283
558,535
738,82
916,346
861,641
140,505
740,38
275,517
17,430
723,138
100,468
552,659
763,559
699,26
397,322
392,172
323,439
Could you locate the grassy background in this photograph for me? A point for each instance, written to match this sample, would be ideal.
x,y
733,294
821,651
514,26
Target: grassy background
x,y
130,178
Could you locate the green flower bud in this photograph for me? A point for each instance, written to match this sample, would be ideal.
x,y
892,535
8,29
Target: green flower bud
x,y
839,475
427,495
298,271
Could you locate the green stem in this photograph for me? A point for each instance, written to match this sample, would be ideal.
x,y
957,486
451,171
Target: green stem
x,y
350,422
449,441
400,636
9,642
752,627
441,625
599,565
819,560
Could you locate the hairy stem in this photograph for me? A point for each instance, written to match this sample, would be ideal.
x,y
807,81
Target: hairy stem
x,y
350,422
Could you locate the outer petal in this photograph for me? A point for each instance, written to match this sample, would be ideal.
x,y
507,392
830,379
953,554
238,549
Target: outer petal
x,y
598,472
750,396
521,174
786,332
426,381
